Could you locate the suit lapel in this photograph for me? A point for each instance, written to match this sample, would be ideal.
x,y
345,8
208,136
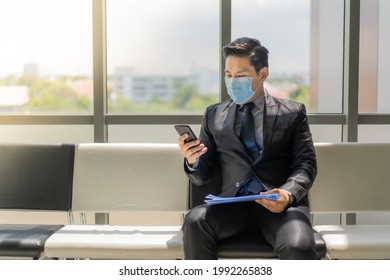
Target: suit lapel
x,y
229,122
270,113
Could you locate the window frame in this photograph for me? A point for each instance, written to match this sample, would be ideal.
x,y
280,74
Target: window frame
x,y
350,119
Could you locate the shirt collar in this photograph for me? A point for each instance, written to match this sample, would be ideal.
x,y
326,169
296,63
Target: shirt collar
x,y
259,102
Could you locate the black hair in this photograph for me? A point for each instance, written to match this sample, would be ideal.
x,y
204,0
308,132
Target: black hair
x,y
248,47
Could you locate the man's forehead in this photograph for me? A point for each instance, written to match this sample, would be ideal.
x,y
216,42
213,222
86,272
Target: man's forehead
x,y
238,68
238,63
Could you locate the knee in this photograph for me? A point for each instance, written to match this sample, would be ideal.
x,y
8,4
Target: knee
x,y
302,249
190,220
194,219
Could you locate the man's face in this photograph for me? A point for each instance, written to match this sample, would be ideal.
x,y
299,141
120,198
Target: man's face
x,y
236,67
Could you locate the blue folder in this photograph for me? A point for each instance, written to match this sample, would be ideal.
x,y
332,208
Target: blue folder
x,y
212,199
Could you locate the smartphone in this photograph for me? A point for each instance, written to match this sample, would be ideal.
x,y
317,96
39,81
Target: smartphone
x,y
184,128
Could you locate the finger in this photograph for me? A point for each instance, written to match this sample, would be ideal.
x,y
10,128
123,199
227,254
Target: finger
x,y
271,205
197,151
182,138
185,147
195,146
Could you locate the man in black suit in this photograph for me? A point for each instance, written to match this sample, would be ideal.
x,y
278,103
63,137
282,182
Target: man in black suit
x,y
281,160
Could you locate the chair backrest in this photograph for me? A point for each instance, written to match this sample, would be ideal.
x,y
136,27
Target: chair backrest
x,y
36,176
140,177
352,177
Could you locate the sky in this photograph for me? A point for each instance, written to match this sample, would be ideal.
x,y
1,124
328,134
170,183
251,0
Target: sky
x,y
149,36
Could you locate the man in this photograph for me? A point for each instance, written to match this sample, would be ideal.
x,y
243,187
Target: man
x,y
281,160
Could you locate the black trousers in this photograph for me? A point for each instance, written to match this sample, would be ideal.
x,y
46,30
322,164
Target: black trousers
x,y
289,233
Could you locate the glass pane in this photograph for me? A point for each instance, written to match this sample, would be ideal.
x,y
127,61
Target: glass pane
x,y
74,134
167,134
374,133
326,133
293,31
162,56
369,218
374,89
143,133
384,57
46,56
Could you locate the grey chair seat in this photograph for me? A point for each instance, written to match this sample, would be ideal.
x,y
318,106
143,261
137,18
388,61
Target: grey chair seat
x,y
27,241
33,177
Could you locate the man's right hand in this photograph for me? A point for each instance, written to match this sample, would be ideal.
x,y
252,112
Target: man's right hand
x,y
191,150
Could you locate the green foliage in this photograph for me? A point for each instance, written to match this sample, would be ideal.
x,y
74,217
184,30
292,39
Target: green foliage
x,y
301,95
120,105
184,94
10,80
300,91
56,96
27,80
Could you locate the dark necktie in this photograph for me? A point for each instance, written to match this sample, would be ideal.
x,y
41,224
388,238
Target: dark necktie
x,y
247,134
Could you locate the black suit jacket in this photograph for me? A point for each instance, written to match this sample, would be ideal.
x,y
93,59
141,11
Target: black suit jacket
x,y
288,160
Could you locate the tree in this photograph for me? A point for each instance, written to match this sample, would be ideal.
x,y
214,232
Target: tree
x,y
56,96
184,94
301,94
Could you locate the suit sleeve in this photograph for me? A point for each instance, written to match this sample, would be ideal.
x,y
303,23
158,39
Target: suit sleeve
x,y
304,163
204,171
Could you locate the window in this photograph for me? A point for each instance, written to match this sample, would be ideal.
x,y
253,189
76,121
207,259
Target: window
x,y
300,35
163,61
374,67
46,56
162,56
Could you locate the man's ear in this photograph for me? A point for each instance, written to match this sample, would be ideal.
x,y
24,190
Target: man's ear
x,y
263,73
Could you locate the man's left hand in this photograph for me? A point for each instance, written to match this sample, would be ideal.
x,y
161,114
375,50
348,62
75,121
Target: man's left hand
x,y
275,206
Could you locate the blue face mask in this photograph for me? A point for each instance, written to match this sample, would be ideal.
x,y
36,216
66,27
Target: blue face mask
x,y
239,89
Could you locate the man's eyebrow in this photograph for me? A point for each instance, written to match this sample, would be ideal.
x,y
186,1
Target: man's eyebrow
x,y
238,72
